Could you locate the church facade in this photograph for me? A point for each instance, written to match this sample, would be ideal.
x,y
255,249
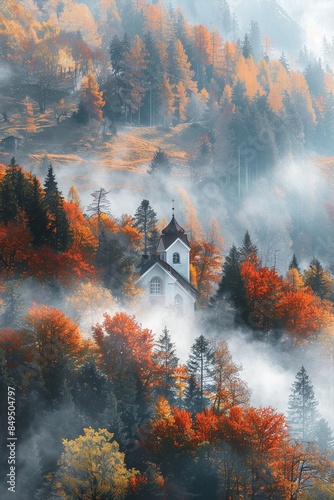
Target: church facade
x,y
166,277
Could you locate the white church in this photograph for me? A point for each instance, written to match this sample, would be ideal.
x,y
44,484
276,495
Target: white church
x,y
166,277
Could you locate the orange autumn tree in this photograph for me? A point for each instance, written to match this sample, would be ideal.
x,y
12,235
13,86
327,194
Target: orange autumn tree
x,y
244,447
126,226
126,351
180,67
50,336
229,57
65,268
84,241
303,313
259,437
229,389
15,247
263,292
170,436
157,20
91,97
206,260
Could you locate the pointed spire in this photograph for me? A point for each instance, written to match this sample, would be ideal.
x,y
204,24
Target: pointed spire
x,y
173,228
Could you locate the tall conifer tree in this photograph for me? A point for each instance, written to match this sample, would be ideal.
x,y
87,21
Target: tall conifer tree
x,y
302,408
200,366
59,231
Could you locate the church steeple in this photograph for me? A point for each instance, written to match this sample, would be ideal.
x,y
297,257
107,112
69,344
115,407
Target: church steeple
x,y
174,248
173,228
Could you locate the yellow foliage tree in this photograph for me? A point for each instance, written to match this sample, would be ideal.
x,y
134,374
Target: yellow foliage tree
x,y
77,16
246,72
73,196
167,102
293,281
90,301
275,98
181,68
92,467
181,102
91,97
229,57
193,225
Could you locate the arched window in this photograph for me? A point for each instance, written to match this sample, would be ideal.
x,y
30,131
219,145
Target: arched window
x,y
176,258
156,286
178,303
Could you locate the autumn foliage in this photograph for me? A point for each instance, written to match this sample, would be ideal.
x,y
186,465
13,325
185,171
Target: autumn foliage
x,y
125,348
254,438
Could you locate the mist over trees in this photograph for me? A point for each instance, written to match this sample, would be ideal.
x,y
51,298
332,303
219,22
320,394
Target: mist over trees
x,y
228,127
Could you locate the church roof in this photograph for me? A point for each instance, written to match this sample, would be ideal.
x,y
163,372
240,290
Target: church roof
x,y
172,232
173,228
180,279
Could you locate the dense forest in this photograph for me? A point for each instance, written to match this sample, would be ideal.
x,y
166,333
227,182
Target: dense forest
x,y
126,106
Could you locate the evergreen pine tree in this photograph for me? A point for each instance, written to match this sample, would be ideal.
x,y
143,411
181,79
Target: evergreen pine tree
x,y
315,77
8,199
115,259
165,356
302,408
146,222
160,163
235,29
226,14
199,365
44,165
284,62
13,189
90,389
59,232
116,87
255,40
247,50
232,286
247,251
38,220
294,263
324,436
192,396
291,117
112,418
51,189
318,279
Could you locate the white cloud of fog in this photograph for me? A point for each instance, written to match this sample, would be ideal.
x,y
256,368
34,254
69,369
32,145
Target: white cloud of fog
x,y
268,370
316,18
5,74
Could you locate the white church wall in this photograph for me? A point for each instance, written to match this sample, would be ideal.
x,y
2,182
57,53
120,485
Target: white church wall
x,y
170,289
182,267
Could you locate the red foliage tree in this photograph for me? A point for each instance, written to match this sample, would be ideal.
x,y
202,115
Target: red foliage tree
x,y
125,347
51,336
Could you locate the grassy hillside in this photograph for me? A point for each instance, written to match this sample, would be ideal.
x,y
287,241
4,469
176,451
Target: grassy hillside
x,y
69,145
